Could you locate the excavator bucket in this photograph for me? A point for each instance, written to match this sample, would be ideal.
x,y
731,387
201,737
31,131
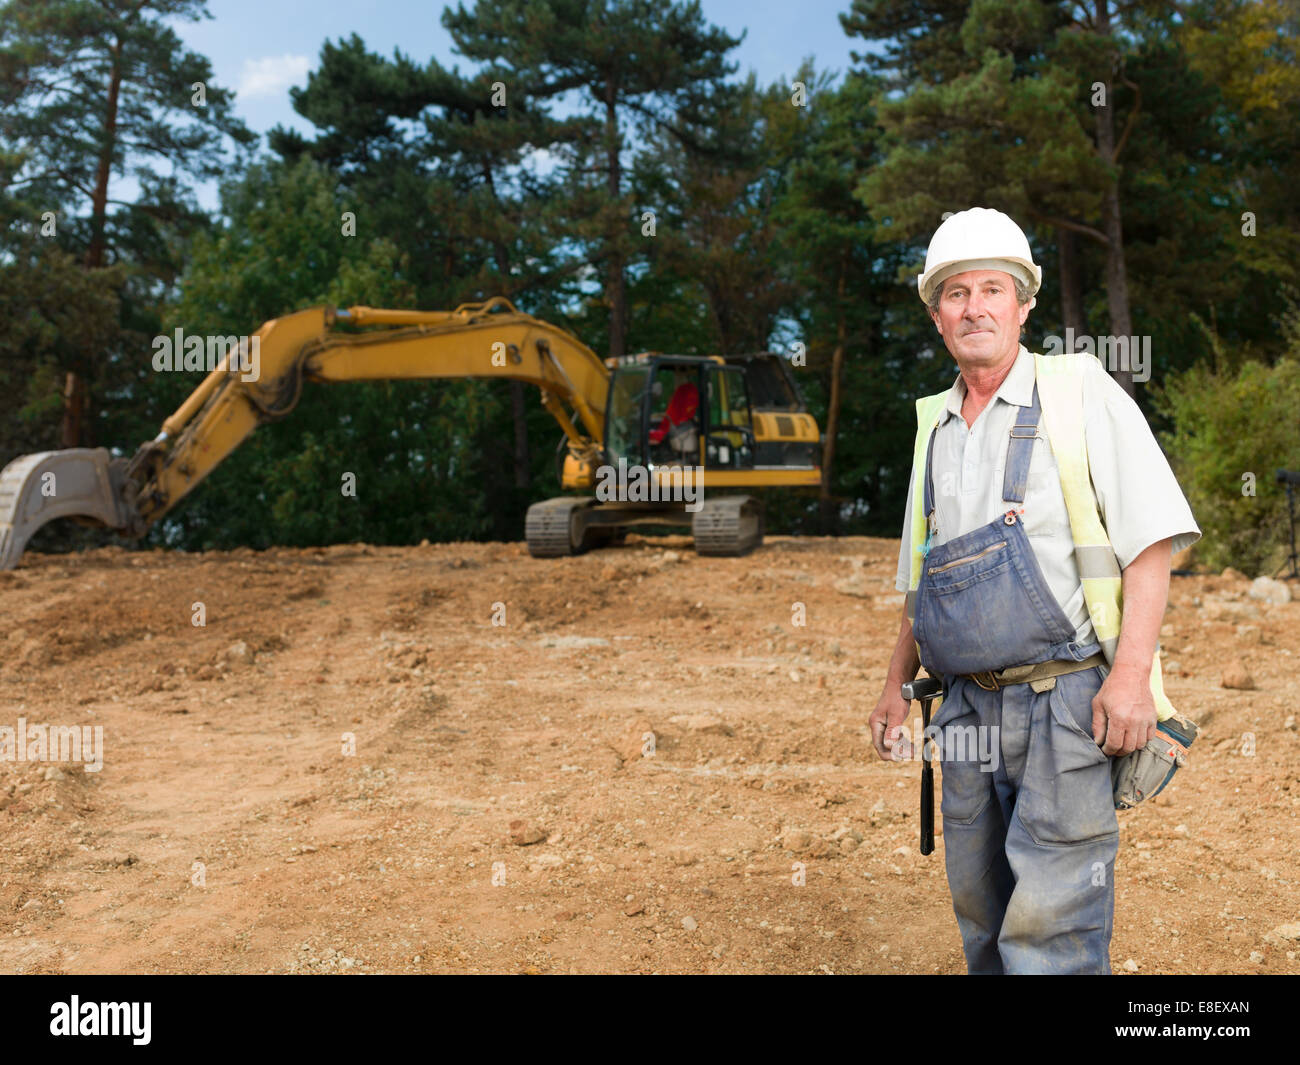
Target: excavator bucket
x,y
35,489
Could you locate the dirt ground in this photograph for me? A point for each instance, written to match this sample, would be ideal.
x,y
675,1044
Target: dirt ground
x,y
624,773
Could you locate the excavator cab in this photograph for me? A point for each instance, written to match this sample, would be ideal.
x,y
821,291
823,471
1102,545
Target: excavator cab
x,y
679,411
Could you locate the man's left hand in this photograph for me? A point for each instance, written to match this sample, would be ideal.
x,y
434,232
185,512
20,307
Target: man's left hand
x,y
1123,712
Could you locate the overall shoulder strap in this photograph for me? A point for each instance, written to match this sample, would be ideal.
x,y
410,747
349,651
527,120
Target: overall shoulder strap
x,y
1020,450
928,410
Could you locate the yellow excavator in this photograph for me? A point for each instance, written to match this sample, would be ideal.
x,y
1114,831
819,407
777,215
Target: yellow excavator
x,y
648,432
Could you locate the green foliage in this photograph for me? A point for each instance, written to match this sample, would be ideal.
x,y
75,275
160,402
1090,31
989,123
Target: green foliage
x,y
716,233
53,309
1230,423
284,249
94,93
648,64
1000,114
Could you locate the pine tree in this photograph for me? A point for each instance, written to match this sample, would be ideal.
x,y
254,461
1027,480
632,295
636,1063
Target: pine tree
x,y
629,62
1036,108
91,93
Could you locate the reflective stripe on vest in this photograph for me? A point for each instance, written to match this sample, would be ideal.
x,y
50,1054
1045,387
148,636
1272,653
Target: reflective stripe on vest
x,y
1060,388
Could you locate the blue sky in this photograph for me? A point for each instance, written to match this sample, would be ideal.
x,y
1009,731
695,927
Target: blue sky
x,y
260,49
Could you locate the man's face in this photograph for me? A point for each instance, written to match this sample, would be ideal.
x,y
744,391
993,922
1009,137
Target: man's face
x,y
979,318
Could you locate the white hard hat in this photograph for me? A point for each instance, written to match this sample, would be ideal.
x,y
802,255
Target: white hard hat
x,y
978,239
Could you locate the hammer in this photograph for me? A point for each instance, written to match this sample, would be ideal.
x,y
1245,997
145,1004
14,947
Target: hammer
x,y
927,690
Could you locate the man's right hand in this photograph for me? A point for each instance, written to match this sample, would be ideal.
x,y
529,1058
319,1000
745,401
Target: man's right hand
x,y
892,709
890,712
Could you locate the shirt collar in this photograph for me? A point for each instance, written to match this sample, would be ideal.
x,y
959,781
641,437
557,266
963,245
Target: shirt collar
x,y
1017,387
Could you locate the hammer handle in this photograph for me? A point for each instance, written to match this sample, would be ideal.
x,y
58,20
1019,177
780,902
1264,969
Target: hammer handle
x,y
927,783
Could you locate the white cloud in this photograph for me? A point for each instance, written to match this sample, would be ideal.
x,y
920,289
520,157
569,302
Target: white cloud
x,y
271,75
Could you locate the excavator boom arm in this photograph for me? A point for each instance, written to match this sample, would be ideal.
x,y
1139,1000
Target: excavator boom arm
x,y
489,339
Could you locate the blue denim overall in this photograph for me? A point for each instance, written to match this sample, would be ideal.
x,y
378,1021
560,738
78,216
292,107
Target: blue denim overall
x,y
1031,874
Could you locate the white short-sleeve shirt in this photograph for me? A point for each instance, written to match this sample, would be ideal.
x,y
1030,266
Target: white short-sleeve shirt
x,y
1137,493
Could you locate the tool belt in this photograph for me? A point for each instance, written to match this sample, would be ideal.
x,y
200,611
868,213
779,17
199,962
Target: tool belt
x,y
1145,772
1041,676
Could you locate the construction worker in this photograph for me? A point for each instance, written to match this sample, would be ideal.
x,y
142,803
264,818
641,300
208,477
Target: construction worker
x,y
1039,503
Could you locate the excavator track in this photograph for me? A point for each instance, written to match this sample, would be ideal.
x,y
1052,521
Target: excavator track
x,y
728,526
557,527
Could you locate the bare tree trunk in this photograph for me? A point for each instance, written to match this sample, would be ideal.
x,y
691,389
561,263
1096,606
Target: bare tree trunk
x,y
1121,322
518,405
76,396
615,282
1073,316
827,505
74,410
518,408
99,199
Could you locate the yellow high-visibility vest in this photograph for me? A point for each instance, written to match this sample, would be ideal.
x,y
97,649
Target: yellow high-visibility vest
x,y
1060,390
